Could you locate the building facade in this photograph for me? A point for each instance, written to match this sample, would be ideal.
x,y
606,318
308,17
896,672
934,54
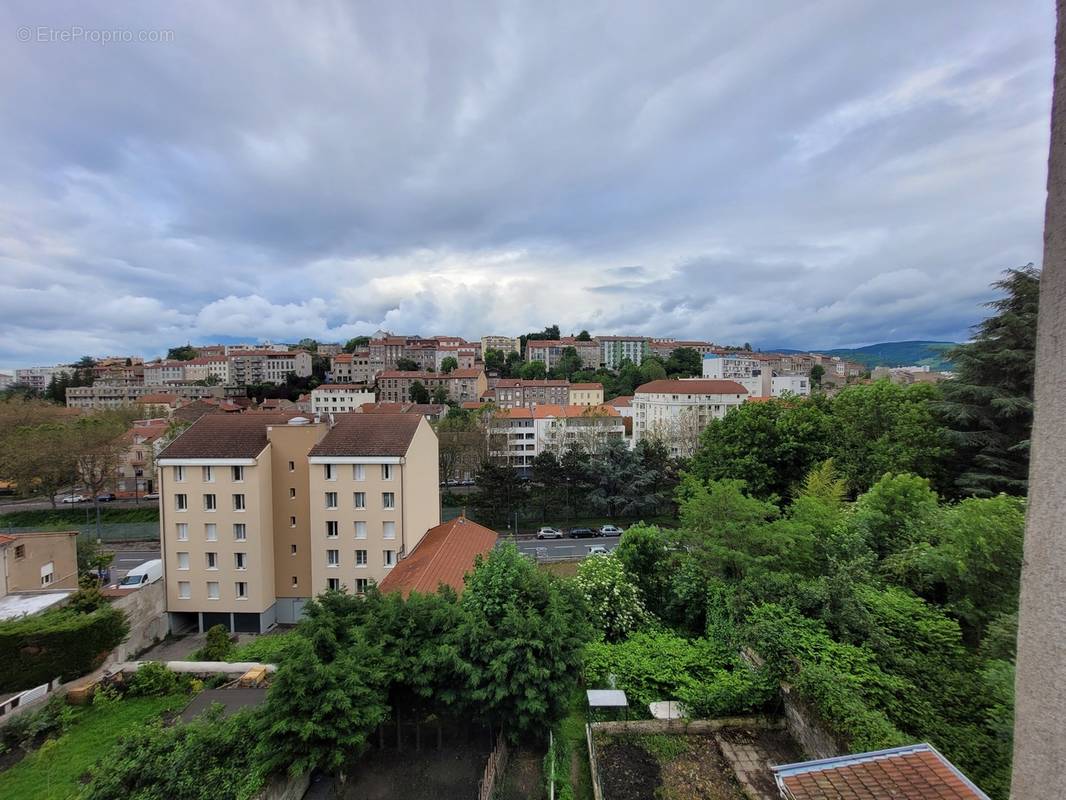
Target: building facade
x,y
38,561
38,378
518,435
333,398
460,385
586,394
505,344
516,393
677,411
616,349
551,350
251,511
103,397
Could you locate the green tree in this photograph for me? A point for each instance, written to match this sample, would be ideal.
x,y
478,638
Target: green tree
x,y
406,365
770,446
988,405
522,640
440,395
895,513
643,551
882,427
495,361
584,336
577,478
620,485
685,362
185,352
569,362
500,494
652,369
612,599
546,482
418,392
533,371
816,374
356,343
448,363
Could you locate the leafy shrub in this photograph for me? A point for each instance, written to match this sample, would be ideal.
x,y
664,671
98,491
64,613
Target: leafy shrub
x,y
613,600
270,649
704,674
152,679
217,646
60,643
24,729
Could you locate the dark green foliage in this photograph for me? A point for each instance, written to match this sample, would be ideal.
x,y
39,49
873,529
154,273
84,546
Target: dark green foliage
x,y
217,645
185,352
153,679
707,676
418,392
448,363
354,344
29,728
57,644
770,446
500,493
684,362
406,365
988,406
521,637
569,363
212,758
643,552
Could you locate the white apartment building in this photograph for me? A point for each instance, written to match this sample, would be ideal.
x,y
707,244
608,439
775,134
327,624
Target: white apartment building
x,y
268,366
158,373
677,411
201,369
38,378
518,435
730,367
7,379
616,349
111,396
505,344
339,398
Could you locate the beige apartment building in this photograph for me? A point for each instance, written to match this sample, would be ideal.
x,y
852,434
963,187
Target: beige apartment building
x,y
505,344
586,394
248,530
42,561
461,385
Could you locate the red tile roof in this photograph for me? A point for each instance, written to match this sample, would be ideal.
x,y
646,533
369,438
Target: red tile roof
x,y
369,435
691,387
623,401
546,410
516,383
426,409
422,376
917,772
6,539
159,398
444,555
586,386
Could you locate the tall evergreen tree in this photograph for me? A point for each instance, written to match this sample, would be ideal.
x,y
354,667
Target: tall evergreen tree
x,y
988,406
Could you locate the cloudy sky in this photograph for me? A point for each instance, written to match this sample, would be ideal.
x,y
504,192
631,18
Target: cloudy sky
x,y
789,174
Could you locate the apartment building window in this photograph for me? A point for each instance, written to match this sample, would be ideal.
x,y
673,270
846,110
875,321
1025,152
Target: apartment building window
x,y
388,500
241,588
211,532
388,557
179,474
386,472
358,472
210,502
238,502
292,493
212,590
292,522
183,560
334,584
181,502
388,530
240,561
240,531
211,559
20,551
238,474
331,472
360,558
48,573
184,590
333,558
183,531
360,499
292,466
295,582
332,529
209,474
360,530
292,550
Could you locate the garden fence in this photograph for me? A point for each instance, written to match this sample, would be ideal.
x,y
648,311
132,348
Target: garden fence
x,y
497,763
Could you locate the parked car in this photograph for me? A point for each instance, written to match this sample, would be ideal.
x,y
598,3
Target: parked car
x,y
106,497
549,533
610,530
597,550
581,533
146,573
75,498
150,496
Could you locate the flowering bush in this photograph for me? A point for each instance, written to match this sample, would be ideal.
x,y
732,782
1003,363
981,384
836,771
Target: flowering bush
x,y
614,602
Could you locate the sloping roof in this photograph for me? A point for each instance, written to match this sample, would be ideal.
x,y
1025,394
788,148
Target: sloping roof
x,y
158,398
430,376
520,383
444,555
6,539
546,410
587,386
691,387
622,401
225,435
369,435
425,409
915,772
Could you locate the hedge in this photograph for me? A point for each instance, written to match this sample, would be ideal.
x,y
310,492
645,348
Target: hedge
x,y
57,644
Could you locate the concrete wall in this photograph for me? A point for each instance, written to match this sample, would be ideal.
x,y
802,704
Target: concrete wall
x,y
40,548
807,730
145,610
286,788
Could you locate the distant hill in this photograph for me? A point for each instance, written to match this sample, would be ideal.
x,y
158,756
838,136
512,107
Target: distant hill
x,y
894,354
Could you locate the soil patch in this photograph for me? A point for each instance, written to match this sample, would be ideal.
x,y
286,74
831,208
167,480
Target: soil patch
x,y
700,773
629,772
523,779
415,775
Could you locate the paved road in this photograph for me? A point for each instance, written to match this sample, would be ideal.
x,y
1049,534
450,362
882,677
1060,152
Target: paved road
x,y
125,560
565,548
38,504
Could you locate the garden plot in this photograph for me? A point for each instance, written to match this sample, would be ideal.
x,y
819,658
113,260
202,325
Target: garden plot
x,y
731,764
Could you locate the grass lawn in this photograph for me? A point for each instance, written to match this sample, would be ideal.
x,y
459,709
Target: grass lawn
x,y
564,569
54,771
60,518
572,729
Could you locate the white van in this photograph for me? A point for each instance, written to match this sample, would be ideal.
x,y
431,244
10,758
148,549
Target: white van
x,y
146,573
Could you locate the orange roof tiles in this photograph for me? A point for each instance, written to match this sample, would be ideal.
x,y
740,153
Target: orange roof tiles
x,y
622,401
444,555
6,539
546,410
159,397
587,386
916,772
